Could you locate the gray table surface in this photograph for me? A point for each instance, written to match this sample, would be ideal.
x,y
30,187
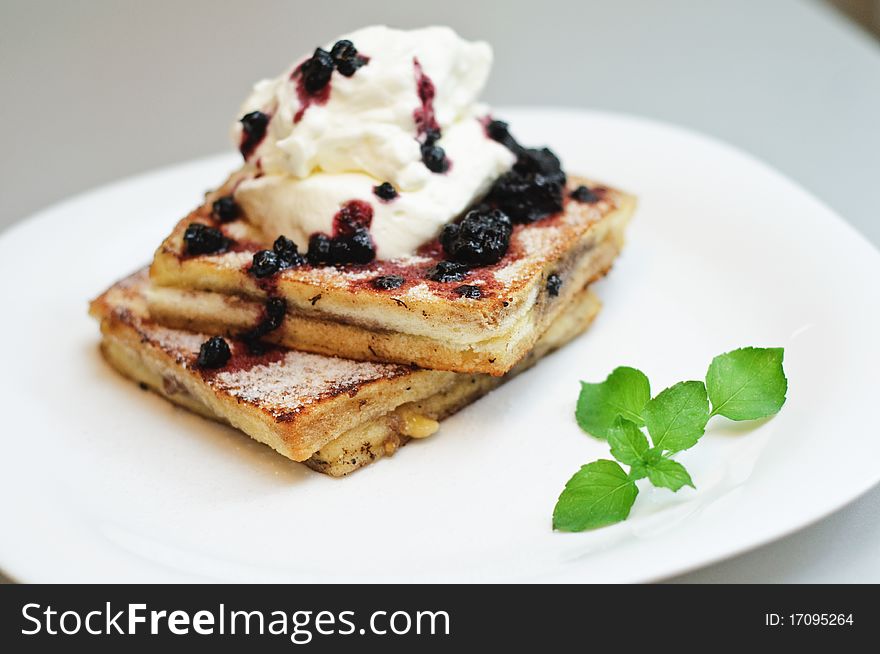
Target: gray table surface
x,y
98,90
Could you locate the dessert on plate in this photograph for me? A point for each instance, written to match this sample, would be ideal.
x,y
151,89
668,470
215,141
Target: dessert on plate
x,y
386,253
387,216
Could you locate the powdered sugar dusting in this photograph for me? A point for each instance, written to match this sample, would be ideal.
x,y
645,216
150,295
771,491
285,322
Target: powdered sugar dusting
x,y
234,260
183,346
282,387
300,379
538,241
419,292
507,275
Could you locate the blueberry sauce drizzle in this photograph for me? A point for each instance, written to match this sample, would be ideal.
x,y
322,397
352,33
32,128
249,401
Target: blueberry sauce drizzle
x,y
353,215
427,128
426,119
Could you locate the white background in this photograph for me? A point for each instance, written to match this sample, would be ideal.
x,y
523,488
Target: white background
x,y
94,91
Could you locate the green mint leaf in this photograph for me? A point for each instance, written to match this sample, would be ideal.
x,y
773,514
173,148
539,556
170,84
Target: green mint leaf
x,y
628,443
666,473
639,470
677,417
598,494
623,393
748,383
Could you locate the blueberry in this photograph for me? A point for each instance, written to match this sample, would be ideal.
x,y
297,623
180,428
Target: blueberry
x,y
385,191
201,239
274,312
388,282
554,283
434,158
254,123
534,161
288,252
448,271
253,127
530,200
481,238
284,254
432,135
533,189
276,309
316,71
348,67
584,194
343,49
265,264
346,57
225,209
284,244
470,292
357,248
499,131
340,250
213,353
319,249
362,247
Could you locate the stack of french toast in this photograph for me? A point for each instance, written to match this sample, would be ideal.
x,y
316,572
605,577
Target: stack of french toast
x,y
320,332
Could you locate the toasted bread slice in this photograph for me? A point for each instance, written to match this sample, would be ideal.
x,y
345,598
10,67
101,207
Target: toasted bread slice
x,y
337,311
333,414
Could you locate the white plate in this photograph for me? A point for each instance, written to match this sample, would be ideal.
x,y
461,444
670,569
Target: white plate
x,y
103,482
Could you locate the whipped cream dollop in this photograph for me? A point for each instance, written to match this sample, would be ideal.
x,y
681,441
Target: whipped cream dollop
x,y
324,149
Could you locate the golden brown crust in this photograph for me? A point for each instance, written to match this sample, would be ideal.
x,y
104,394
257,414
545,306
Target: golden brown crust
x,y
297,401
223,314
337,311
335,423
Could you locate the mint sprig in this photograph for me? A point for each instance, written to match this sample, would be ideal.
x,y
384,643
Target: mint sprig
x,y
745,384
624,393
